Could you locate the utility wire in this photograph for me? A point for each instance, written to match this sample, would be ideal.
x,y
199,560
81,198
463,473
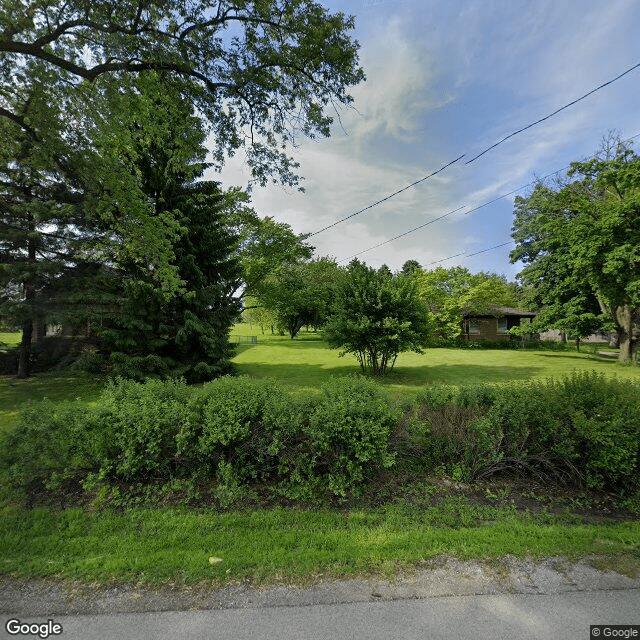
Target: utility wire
x,y
395,193
493,146
468,255
405,233
480,206
566,106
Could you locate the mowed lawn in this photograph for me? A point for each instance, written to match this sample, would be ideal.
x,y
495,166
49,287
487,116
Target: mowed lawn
x,y
305,362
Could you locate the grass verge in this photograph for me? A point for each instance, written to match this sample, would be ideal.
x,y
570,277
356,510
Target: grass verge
x,y
270,546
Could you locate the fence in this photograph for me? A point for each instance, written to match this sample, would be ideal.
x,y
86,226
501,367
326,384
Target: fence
x,y
244,339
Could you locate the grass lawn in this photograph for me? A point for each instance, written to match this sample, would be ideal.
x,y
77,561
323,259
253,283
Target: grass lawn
x,y
55,385
305,362
269,545
264,546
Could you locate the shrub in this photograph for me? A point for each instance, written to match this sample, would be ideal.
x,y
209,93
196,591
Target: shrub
x,y
224,435
348,432
51,450
142,421
584,427
139,368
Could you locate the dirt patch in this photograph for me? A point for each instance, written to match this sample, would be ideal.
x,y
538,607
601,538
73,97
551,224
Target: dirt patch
x,y
438,577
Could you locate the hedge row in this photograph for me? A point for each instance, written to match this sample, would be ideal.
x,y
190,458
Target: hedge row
x,y
234,436
228,435
584,428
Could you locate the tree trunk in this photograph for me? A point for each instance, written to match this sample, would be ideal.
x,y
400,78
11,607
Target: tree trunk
x,y
24,356
625,327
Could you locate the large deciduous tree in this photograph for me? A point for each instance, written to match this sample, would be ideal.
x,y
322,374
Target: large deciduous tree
x,y
261,72
301,293
580,244
377,315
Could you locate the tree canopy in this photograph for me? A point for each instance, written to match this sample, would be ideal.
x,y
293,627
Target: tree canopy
x,y
260,72
105,108
449,293
377,315
580,243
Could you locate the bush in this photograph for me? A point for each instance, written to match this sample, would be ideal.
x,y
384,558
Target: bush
x,y
583,428
143,420
139,368
149,440
52,449
348,432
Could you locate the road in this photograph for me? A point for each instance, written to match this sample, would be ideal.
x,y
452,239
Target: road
x,y
521,616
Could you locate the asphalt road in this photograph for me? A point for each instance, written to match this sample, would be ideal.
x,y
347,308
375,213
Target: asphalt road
x,y
520,616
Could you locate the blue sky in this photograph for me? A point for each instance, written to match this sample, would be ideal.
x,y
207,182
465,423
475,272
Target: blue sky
x,y
452,78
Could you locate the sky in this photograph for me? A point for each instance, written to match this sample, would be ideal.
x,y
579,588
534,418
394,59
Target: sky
x,y
452,78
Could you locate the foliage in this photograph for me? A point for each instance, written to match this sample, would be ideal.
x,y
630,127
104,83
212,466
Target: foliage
x,y
377,315
226,437
151,279
580,243
52,448
346,436
583,427
450,293
256,313
287,62
301,294
97,176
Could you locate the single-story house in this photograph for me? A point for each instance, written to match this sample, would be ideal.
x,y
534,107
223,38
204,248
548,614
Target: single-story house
x,y
494,325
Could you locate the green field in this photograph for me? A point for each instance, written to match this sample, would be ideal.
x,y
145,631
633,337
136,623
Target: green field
x,y
304,363
264,546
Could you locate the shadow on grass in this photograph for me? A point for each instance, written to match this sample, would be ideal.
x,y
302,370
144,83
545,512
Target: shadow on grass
x,y
576,356
412,377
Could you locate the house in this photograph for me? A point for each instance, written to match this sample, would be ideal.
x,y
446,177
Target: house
x,y
494,325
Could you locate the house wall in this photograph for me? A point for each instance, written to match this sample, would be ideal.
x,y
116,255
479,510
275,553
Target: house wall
x,y
488,326
488,330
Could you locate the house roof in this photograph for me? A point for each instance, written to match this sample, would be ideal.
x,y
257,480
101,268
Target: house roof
x,y
503,311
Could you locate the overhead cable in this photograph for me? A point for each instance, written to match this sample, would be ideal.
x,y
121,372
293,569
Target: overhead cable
x,y
395,193
480,206
566,106
469,255
493,146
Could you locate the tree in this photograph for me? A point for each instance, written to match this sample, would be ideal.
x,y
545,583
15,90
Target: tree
x,y
410,266
255,313
377,315
264,246
450,293
580,242
261,72
147,257
301,294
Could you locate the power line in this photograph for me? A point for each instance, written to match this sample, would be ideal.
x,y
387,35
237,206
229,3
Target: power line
x,y
480,206
405,233
485,204
469,255
395,193
493,146
533,124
